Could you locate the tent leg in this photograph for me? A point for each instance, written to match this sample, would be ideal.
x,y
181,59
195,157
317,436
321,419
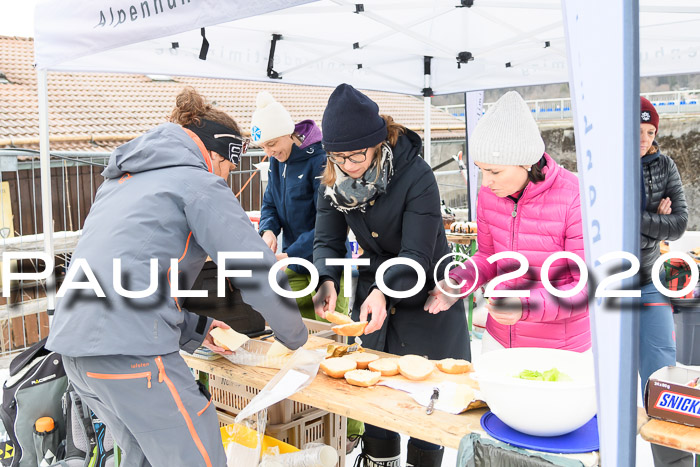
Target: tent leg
x,y
466,157
427,96
45,169
426,130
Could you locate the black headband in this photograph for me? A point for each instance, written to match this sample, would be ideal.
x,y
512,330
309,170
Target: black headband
x,y
221,139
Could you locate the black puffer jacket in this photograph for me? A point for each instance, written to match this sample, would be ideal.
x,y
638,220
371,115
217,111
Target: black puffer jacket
x,y
661,180
403,222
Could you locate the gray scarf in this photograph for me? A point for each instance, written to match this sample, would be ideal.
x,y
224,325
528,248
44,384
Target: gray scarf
x,y
348,193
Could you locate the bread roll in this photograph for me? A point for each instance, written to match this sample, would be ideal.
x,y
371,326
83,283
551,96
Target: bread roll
x,y
352,329
415,367
336,367
228,339
386,366
464,395
363,378
338,318
277,350
454,366
363,359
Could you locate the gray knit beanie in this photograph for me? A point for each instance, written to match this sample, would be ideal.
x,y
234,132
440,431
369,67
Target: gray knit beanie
x,y
507,134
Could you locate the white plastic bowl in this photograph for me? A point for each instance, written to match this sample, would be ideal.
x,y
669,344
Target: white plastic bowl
x,y
539,408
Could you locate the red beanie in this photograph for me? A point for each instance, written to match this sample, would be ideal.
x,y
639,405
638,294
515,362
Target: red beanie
x,y
649,114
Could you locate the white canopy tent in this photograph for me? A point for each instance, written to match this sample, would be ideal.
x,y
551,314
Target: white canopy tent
x,y
512,43
419,48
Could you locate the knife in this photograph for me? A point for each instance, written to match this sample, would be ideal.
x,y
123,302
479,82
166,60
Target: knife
x,y
433,398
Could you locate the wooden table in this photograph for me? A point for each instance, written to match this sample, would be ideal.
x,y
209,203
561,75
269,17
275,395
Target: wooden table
x,y
379,405
672,435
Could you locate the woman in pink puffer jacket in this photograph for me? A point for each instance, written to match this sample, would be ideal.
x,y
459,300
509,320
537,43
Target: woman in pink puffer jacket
x,y
530,205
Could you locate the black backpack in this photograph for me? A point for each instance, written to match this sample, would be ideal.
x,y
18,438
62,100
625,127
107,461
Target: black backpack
x,y
34,389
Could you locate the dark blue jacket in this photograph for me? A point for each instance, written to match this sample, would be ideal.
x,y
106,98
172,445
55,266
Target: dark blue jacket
x,y
289,203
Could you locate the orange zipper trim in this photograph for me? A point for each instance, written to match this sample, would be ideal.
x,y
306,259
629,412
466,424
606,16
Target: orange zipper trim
x,y
204,409
145,374
187,245
201,147
181,407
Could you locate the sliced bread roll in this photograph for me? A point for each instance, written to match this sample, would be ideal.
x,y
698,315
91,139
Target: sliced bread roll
x,y
228,339
338,318
464,395
363,359
352,329
415,367
454,366
362,378
277,350
386,366
336,367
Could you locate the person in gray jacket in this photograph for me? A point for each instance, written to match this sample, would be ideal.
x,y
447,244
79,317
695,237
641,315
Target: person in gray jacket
x,y
164,197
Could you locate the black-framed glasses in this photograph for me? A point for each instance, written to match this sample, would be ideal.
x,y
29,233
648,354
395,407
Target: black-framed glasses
x,y
355,157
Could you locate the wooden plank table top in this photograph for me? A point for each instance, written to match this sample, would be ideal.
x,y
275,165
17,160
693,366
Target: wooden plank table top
x,y
378,405
672,435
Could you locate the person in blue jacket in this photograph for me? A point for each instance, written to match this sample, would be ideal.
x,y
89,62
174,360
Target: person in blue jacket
x,y
297,160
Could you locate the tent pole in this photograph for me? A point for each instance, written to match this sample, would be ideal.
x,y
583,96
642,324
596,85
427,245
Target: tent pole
x,y
427,93
466,156
426,130
45,170
609,193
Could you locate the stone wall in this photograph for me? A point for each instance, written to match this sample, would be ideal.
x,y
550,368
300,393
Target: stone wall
x,y
679,138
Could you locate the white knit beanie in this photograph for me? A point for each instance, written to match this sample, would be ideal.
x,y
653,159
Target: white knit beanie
x,y
507,134
270,119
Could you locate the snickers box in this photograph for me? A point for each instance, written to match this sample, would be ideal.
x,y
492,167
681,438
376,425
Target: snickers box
x,y
673,394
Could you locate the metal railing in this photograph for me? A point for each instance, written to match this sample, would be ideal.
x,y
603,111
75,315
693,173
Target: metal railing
x,y
687,101
75,179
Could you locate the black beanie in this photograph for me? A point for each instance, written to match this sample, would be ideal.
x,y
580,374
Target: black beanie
x,y
351,121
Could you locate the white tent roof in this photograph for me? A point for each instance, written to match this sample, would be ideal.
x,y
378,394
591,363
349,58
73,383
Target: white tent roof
x,y
318,37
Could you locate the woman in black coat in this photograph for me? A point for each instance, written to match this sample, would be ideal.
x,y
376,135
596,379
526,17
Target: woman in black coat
x,y
664,217
378,185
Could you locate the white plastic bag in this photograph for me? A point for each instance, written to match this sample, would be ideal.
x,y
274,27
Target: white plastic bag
x,y
297,373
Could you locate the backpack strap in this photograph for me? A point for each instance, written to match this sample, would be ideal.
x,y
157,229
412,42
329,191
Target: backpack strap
x,y
85,420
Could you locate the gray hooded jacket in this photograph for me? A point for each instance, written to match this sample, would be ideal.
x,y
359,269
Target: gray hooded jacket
x,y
160,201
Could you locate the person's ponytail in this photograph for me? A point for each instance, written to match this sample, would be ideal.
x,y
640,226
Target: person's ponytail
x,y
191,108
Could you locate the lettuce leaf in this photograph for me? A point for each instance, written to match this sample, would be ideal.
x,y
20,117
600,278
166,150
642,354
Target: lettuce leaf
x,y
553,375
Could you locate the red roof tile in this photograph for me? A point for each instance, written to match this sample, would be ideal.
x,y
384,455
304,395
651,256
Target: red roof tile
x,y
101,111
